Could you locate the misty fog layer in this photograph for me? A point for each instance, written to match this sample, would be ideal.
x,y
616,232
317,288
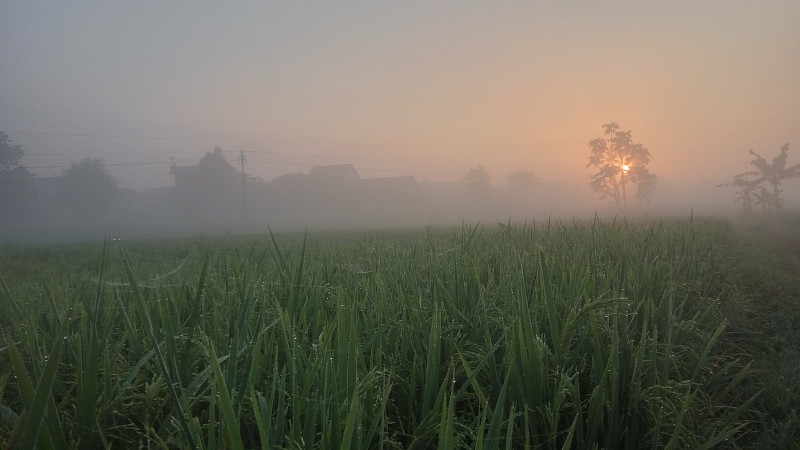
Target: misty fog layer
x,y
215,197
364,115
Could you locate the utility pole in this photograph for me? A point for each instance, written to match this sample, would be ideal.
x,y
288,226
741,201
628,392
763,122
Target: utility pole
x,y
172,172
242,160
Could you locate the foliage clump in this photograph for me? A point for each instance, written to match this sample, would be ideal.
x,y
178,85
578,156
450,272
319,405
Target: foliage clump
x,y
15,189
764,184
88,187
619,161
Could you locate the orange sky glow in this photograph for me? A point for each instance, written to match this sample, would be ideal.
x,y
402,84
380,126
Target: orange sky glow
x,y
402,88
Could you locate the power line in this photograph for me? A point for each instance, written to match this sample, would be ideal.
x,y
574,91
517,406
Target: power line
x,y
362,169
289,163
306,141
151,130
416,162
426,162
303,140
52,166
144,152
417,165
116,136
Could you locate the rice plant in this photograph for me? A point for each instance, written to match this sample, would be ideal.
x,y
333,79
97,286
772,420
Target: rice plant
x,y
545,336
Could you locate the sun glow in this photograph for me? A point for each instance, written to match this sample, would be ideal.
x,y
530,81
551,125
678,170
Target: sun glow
x,y
626,168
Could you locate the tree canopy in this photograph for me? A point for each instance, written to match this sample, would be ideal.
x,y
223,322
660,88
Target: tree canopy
x,y
477,180
88,187
750,184
619,161
10,155
522,179
15,189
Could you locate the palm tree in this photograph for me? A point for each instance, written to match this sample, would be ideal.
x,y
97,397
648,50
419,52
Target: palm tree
x,y
742,195
773,174
764,198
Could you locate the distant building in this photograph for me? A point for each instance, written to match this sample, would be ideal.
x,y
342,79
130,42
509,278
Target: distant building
x,y
210,192
390,185
212,174
336,195
339,174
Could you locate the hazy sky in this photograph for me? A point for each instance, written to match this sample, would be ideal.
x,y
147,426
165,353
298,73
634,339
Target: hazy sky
x,y
422,88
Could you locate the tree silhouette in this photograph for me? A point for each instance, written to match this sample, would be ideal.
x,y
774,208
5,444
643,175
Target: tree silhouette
x,y
478,180
744,193
619,161
773,174
15,186
522,180
88,187
751,183
764,198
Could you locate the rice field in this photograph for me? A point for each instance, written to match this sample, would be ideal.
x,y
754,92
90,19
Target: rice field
x,y
569,335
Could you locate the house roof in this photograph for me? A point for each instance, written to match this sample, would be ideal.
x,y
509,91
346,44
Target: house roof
x,y
212,170
335,173
393,182
288,177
